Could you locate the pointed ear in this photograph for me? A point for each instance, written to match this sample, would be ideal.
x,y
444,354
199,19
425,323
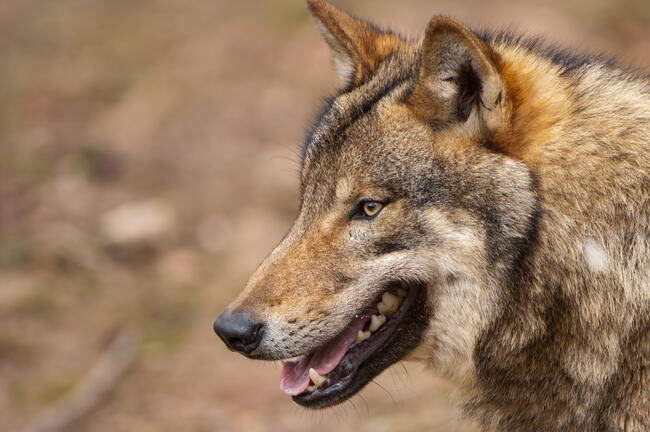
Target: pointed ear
x,y
460,77
358,47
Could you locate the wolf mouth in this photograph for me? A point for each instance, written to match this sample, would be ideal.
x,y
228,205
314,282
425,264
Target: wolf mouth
x,y
376,338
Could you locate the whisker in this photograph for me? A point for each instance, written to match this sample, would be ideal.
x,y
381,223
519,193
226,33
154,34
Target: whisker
x,y
355,407
384,389
406,372
365,404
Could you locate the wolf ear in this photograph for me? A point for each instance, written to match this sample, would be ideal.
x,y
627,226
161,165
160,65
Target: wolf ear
x,y
358,47
459,78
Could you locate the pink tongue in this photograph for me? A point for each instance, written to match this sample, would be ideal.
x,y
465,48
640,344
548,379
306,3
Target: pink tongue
x,y
295,374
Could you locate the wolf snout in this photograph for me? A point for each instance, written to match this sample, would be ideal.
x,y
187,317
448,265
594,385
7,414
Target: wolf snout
x,y
239,331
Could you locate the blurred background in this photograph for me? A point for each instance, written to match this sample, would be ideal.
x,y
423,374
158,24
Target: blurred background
x,y
148,162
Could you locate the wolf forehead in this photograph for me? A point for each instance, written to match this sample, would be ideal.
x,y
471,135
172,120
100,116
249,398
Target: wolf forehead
x,y
395,78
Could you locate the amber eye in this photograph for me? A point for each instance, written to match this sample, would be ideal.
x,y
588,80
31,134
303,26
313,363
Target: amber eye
x,y
372,208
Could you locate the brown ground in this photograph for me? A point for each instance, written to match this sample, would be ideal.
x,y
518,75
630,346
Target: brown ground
x,y
148,163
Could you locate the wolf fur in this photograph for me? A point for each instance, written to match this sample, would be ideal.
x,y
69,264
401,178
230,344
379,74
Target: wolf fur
x,y
516,183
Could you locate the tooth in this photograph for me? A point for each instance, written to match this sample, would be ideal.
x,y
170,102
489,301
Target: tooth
x,y
389,303
311,388
316,378
361,335
389,299
376,321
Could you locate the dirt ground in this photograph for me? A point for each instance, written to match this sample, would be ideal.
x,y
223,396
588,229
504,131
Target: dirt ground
x,y
148,161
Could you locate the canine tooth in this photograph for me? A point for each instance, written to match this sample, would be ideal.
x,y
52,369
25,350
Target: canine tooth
x,y
389,303
316,378
362,335
311,388
376,321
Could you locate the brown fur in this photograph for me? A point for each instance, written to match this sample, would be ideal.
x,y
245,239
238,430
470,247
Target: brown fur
x,y
517,185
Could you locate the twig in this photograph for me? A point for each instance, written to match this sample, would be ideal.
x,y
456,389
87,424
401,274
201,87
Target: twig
x,y
93,389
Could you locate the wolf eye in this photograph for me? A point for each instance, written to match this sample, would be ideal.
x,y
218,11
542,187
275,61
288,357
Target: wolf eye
x,y
371,208
367,209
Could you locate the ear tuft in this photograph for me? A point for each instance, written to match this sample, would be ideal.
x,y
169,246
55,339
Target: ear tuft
x,y
358,47
459,78
469,89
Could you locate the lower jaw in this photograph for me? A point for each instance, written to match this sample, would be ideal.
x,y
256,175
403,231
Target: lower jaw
x,y
350,377
337,393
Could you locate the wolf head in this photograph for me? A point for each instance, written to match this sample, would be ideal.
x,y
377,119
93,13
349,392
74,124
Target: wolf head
x,y
413,214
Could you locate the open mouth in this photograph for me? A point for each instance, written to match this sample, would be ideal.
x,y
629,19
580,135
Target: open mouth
x,y
378,336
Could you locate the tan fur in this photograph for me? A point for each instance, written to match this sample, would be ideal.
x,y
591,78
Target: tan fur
x,y
521,202
358,48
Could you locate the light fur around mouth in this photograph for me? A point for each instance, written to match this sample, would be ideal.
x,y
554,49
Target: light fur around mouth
x,y
382,320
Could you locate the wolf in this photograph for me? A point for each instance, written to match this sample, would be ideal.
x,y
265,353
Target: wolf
x,y
477,202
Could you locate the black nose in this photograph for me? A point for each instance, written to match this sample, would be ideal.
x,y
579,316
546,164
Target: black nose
x,y
238,331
